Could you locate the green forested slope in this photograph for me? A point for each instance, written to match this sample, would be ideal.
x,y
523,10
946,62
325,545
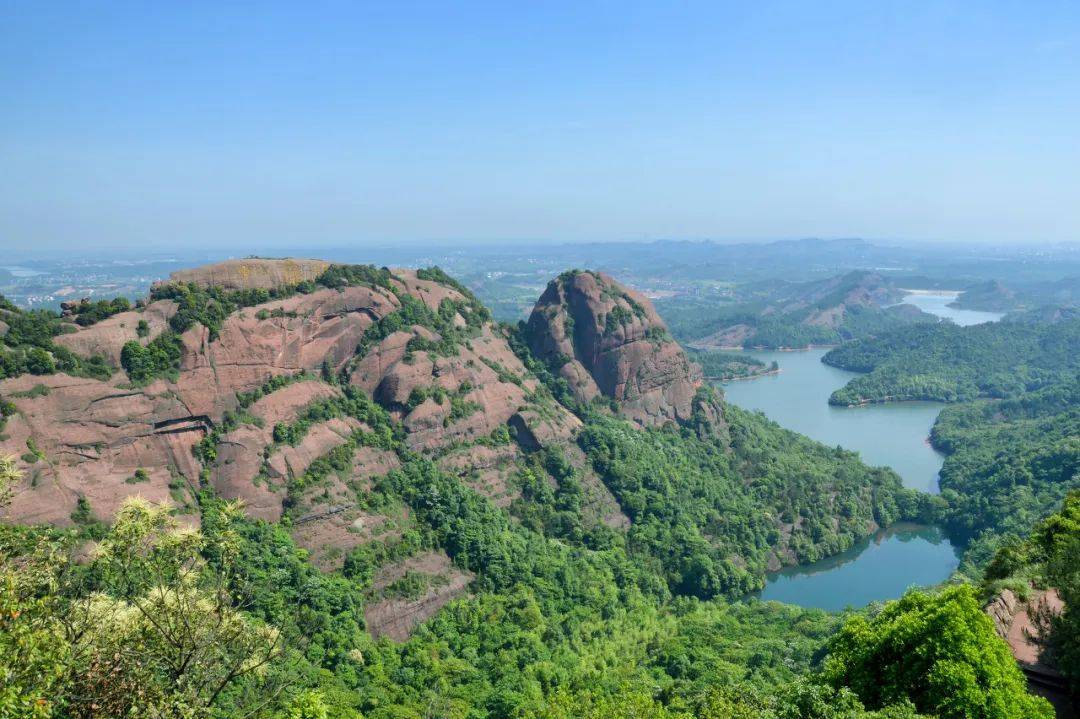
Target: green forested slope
x,y
724,366
715,518
1011,456
947,363
550,631
26,345
1009,464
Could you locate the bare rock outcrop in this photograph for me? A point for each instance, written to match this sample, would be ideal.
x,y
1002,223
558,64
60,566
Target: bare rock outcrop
x,y
1025,624
78,438
108,337
608,340
285,336
253,273
460,397
395,616
80,442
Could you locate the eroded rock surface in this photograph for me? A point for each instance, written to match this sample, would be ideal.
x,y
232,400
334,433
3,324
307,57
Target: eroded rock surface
x,y
252,273
608,340
481,388
107,337
77,437
84,439
394,616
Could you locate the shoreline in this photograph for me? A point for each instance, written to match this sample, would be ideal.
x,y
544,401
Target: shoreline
x,y
938,293
743,348
771,372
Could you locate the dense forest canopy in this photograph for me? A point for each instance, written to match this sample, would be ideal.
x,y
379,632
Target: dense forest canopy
x,y
27,347
724,366
947,363
1009,463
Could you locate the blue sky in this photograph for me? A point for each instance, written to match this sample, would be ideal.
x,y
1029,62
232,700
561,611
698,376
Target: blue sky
x,y
260,125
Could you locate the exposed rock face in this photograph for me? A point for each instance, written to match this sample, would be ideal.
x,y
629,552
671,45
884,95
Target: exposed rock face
x,y
421,348
485,378
395,617
446,376
241,456
608,340
280,337
107,338
252,273
1025,626
84,439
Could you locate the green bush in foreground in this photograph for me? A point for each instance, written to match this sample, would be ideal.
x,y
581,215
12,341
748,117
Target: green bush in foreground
x,y
938,651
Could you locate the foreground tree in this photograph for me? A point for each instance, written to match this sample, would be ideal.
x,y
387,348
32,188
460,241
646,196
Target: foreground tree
x,y
34,650
1058,538
937,651
146,629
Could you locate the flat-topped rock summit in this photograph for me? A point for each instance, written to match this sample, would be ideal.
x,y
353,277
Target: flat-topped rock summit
x,y
252,273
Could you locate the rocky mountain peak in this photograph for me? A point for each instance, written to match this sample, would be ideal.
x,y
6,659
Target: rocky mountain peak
x,y
606,340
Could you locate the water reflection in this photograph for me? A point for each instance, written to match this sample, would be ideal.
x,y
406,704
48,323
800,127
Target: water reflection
x,y
876,569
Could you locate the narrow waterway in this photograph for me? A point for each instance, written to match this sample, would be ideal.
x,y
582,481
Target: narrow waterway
x,y
937,303
893,435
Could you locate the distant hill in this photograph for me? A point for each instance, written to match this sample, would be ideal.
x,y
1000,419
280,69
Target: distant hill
x,y
778,314
996,296
989,296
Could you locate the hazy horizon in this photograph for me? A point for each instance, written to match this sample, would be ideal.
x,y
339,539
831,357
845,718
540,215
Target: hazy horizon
x,y
217,128
188,252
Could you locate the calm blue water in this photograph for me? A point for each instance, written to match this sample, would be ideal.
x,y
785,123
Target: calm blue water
x,y
893,435
878,569
890,435
937,303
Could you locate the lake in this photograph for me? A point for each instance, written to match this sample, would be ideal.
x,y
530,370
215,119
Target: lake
x,y
937,303
877,569
893,435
